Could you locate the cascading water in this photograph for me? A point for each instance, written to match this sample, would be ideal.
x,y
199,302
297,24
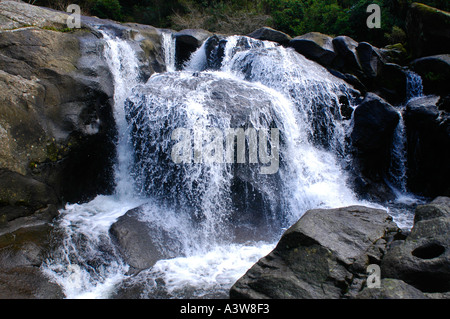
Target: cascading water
x,y
398,168
86,264
221,214
168,45
414,86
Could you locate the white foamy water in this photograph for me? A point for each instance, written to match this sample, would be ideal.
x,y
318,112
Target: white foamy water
x,y
204,274
398,170
86,263
168,46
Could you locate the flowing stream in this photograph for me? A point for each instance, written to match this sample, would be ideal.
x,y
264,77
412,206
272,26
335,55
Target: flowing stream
x,y
223,213
398,168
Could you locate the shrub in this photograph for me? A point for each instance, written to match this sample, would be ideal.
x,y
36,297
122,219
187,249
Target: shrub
x,y
107,9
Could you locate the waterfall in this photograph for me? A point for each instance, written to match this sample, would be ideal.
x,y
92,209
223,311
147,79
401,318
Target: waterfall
x,y
414,86
87,264
222,160
398,167
168,46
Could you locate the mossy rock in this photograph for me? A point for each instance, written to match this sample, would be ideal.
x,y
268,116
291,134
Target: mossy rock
x,y
24,193
428,30
395,53
435,73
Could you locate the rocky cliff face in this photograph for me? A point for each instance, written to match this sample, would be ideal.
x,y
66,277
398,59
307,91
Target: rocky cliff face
x,y
56,123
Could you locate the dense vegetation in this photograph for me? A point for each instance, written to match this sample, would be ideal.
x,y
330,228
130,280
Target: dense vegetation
x,y
295,17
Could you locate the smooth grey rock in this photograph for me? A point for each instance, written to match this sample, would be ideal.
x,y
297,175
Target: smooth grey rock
x,y
345,48
375,121
140,243
435,73
323,255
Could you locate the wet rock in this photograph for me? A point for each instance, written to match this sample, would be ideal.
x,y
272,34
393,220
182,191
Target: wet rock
x,y
230,104
391,83
375,121
428,140
315,46
21,196
141,243
27,283
215,51
370,60
345,48
22,251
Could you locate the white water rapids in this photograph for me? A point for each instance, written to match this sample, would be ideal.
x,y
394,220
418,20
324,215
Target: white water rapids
x,y
301,99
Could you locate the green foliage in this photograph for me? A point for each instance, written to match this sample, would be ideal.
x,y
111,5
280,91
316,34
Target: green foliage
x,y
397,35
107,9
295,17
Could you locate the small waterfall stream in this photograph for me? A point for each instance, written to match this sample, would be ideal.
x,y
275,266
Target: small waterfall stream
x,y
398,169
224,214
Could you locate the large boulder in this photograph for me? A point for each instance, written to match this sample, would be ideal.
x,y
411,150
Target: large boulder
x,y
324,255
215,52
27,283
22,197
269,34
224,104
428,151
370,59
315,46
428,30
142,243
374,124
391,82
347,59
56,110
423,258
435,73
